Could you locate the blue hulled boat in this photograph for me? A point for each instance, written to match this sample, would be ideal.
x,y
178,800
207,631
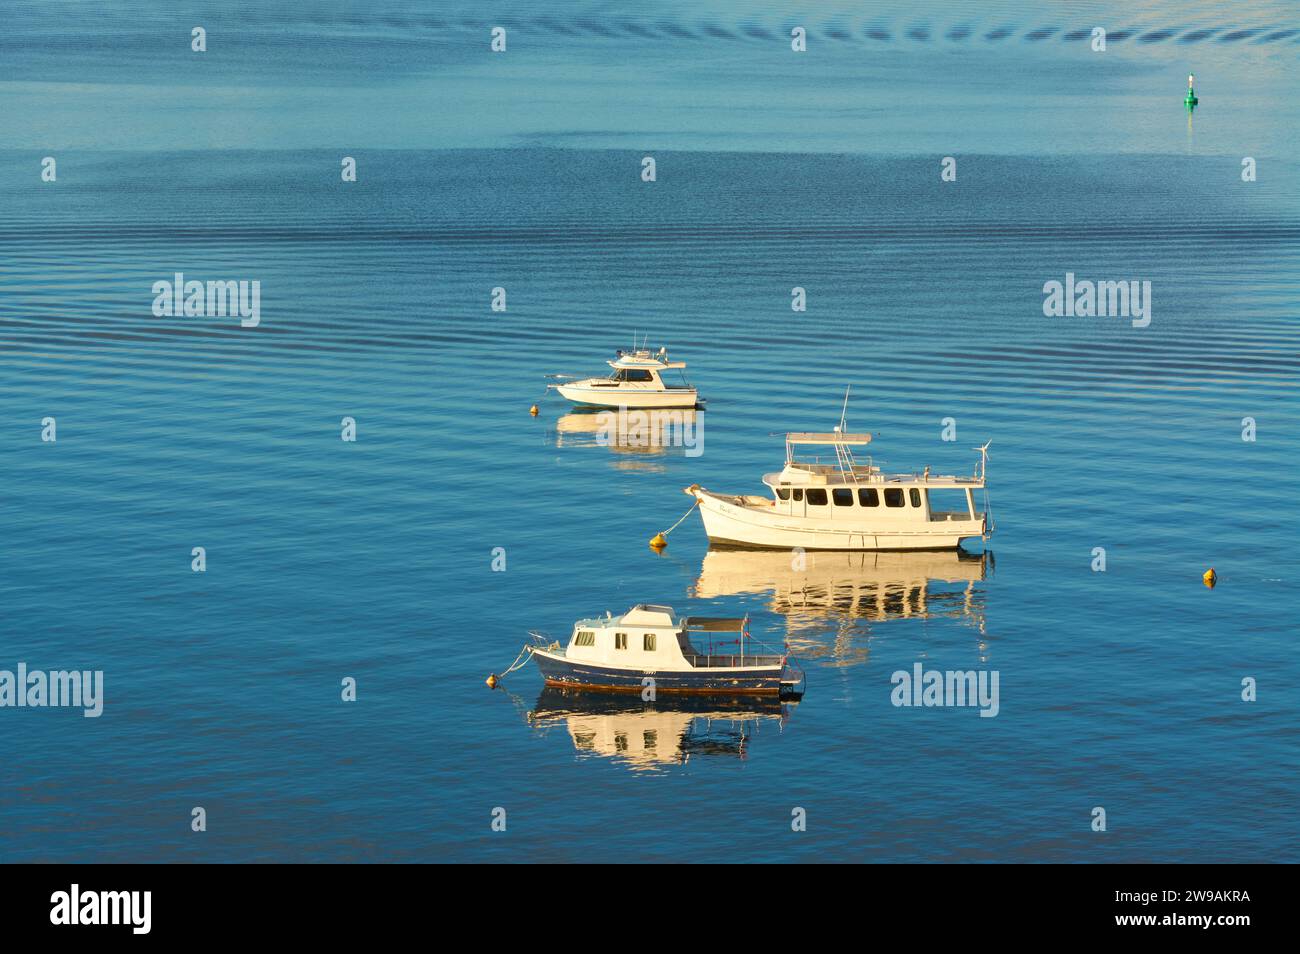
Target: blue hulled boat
x,y
648,647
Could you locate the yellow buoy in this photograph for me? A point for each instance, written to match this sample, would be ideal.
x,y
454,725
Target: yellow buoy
x,y
1210,577
492,681
658,541
533,410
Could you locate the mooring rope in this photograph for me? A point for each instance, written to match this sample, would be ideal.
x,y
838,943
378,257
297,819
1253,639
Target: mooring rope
x,y
520,661
683,517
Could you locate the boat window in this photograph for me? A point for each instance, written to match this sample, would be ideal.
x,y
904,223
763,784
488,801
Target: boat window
x,y
817,496
893,496
798,493
648,642
915,495
868,497
585,638
842,496
947,503
633,374
783,493
620,640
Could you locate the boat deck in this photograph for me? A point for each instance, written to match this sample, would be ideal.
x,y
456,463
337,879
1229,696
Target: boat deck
x,y
707,661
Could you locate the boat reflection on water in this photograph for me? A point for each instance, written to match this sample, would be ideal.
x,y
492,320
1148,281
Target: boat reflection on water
x,y
850,589
639,436
645,736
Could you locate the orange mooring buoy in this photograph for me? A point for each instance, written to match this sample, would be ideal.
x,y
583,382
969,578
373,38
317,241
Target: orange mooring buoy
x,y
1210,578
658,542
533,410
492,681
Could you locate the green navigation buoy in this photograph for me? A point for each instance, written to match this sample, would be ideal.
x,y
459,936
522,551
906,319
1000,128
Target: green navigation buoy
x,y
1191,100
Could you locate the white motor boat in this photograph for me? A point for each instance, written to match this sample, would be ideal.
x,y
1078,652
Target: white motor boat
x,y
636,382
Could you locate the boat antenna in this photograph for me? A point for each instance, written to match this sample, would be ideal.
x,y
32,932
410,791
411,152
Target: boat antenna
x,y
845,409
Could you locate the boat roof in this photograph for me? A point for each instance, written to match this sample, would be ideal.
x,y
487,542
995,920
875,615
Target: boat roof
x,y
649,614
652,615
825,475
645,359
643,614
833,437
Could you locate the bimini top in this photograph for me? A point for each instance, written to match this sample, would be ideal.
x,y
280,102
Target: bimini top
x,y
834,437
645,358
716,624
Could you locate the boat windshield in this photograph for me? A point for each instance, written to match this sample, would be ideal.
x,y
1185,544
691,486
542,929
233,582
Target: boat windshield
x,y
631,374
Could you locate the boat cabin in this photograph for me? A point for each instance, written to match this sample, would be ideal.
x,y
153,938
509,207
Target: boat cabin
x,y
643,369
833,484
648,637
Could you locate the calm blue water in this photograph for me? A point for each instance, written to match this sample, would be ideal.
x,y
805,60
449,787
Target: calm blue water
x,y
373,559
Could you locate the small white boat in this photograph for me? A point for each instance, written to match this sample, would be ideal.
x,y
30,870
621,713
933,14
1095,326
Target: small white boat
x,y
649,645
844,505
636,382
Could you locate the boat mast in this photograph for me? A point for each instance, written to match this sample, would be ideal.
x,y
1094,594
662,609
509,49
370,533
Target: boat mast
x,y
843,456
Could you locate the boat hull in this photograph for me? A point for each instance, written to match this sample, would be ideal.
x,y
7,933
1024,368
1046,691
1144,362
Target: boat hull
x,y
558,671
631,398
730,524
